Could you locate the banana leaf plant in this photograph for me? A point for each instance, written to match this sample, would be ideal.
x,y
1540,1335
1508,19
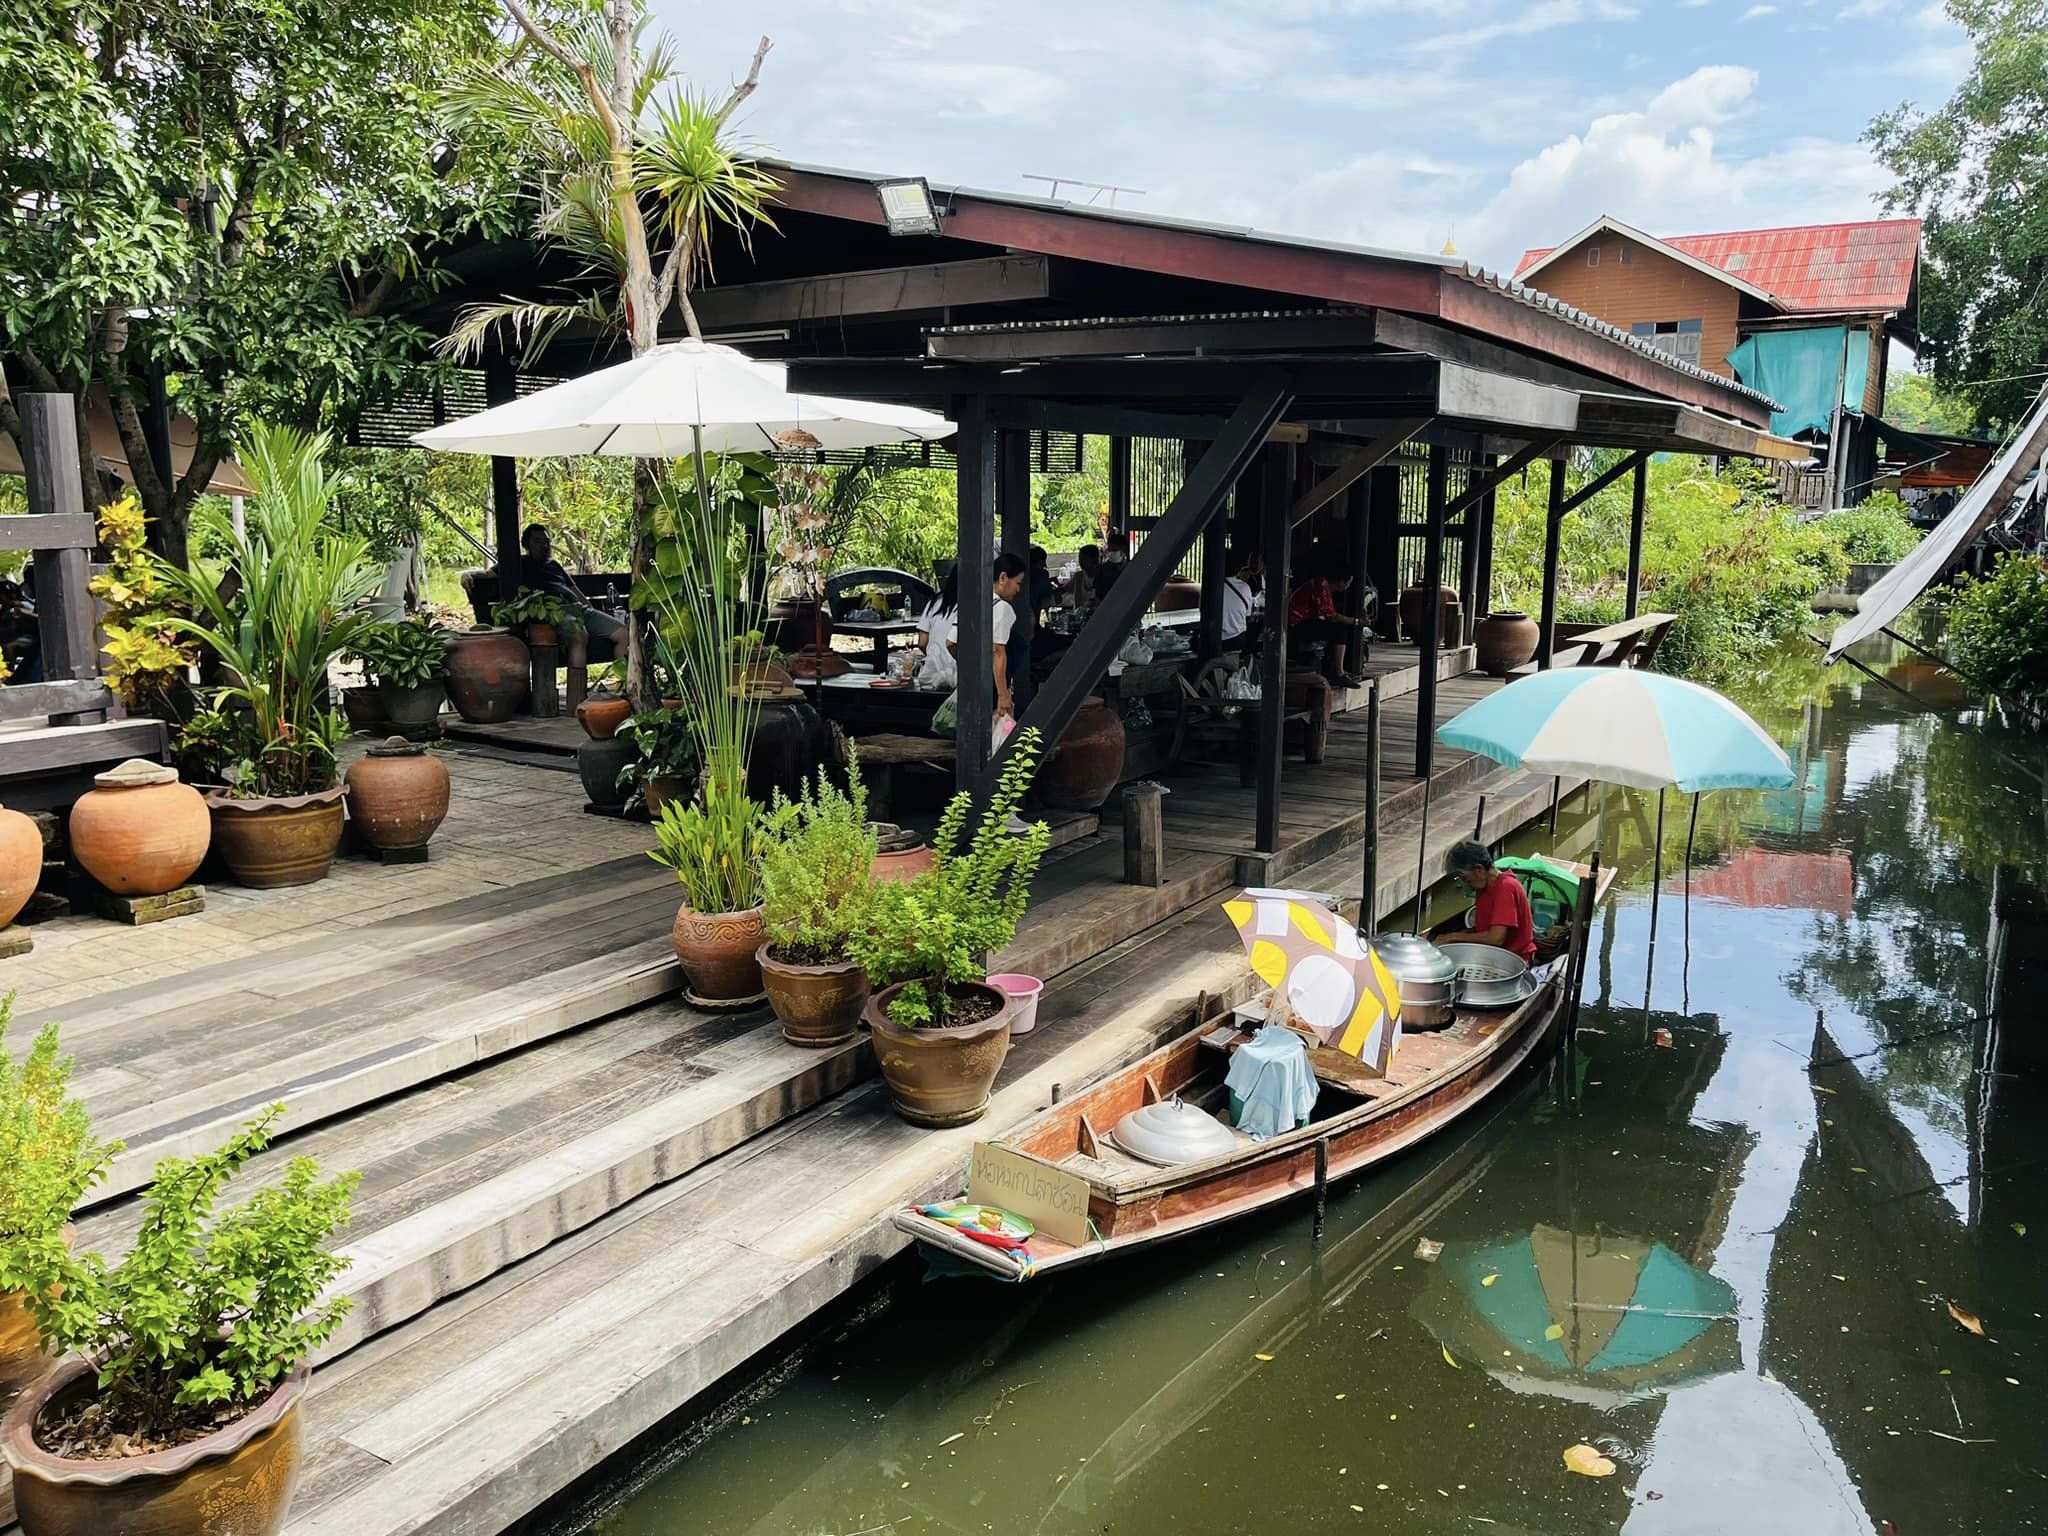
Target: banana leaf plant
x,y
289,601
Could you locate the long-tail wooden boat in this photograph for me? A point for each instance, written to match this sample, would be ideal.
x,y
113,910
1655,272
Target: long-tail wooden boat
x,y
1360,1120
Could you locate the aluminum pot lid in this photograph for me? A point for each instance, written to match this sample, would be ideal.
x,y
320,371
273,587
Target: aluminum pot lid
x,y
136,773
1173,1133
1413,958
397,746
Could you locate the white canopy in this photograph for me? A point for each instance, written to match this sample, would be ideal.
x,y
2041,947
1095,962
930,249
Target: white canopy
x,y
1981,504
680,398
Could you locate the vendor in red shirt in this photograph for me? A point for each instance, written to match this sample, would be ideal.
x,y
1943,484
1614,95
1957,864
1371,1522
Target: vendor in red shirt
x,y
1501,915
1312,614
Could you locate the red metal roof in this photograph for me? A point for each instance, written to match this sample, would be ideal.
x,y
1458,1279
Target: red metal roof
x,y
1811,268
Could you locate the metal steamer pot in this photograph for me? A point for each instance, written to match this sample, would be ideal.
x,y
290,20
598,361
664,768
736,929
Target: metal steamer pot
x,y
1428,977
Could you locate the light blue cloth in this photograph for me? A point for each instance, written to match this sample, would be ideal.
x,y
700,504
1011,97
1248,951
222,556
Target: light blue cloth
x,y
1271,1087
1803,372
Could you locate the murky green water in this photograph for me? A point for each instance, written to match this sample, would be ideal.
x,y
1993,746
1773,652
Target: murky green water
x,y
1726,1262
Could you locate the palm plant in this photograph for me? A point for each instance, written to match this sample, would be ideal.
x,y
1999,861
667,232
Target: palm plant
x,y
289,602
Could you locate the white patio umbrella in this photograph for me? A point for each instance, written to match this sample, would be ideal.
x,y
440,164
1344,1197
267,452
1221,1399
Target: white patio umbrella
x,y
682,398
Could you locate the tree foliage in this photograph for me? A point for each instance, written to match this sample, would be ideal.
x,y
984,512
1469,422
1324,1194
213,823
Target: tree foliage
x,y
1998,629
1915,402
1976,170
46,1147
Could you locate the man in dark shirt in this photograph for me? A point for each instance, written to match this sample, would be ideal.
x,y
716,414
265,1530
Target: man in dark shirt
x,y
541,571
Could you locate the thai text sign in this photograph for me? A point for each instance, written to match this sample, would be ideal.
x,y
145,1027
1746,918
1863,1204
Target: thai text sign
x,y
1051,1199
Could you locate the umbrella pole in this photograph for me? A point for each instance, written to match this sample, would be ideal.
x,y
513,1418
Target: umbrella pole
x,y
1656,887
1691,828
1422,854
1582,942
1556,793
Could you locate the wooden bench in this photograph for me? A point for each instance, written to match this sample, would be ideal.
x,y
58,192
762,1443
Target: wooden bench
x,y
1630,643
886,751
1206,715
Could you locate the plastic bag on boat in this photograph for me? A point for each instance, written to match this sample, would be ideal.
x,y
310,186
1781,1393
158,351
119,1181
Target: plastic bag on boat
x,y
1272,1088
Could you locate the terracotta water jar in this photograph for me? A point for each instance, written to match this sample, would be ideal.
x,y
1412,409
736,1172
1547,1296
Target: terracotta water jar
x,y
21,863
817,1005
276,840
601,716
138,831
720,955
1179,592
941,1076
1088,761
237,1481
397,794
1414,609
1506,638
490,674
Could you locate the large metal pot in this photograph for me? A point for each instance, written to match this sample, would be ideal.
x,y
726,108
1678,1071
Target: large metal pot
x,y
1428,977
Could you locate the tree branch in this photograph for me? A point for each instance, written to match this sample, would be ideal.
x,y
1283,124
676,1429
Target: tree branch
x,y
379,294
745,88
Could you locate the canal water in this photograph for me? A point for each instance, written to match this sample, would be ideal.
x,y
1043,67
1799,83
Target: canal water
x,y
1773,1244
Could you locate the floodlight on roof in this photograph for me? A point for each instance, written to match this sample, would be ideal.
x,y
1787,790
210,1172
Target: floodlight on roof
x,y
907,206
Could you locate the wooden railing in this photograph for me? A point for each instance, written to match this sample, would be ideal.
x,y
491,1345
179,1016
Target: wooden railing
x,y
1629,643
59,532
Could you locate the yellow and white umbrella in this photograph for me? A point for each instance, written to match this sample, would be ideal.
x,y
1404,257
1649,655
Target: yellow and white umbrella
x,y
1333,981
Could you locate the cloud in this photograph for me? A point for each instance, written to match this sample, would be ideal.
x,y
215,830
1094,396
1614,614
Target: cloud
x,y
1543,16
1756,11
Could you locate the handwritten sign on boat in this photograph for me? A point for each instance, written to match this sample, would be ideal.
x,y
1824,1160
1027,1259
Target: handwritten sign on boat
x,y
1053,1200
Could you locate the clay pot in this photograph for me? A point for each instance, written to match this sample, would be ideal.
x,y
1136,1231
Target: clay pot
x,y
397,794
364,707
1506,638
901,864
1414,607
274,840
719,953
21,863
598,764
809,665
601,716
490,674
659,789
789,744
798,623
543,634
818,1005
414,712
138,831
237,1481
1179,592
940,1077
1088,761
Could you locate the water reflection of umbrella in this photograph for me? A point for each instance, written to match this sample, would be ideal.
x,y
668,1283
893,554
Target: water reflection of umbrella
x,y
1579,1316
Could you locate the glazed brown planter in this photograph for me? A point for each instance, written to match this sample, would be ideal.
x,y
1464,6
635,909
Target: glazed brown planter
x,y
397,794
818,1005
364,707
237,1481
1506,638
413,711
490,674
940,1077
274,840
601,717
718,951
138,831
1088,761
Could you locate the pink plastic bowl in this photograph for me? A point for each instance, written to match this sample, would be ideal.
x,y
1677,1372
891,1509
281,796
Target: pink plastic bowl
x,y
1023,992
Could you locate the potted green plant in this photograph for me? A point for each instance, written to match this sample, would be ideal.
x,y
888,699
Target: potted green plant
x,y
409,661
715,844
287,604
940,1030
51,1159
178,1407
816,884
541,616
662,762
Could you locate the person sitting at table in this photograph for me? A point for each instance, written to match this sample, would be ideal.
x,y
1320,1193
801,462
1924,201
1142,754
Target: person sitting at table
x,y
1502,915
1108,571
935,635
541,571
1080,592
1312,614
1238,630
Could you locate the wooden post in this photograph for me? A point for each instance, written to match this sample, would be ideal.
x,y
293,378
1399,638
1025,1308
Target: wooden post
x,y
1013,512
1479,822
1575,971
1277,536
64,608
1357,517
1368,901
1638,495
1468,560
1383,530
1322,1183
1553,529
1215,567
1144,835
1482,581
1432,611
1119,490
500,388
975,452
547,691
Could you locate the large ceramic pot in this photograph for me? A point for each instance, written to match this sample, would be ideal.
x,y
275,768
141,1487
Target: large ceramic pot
x,y
22,1360
941,1077
364,707
397,794
490,674
1506,638
818,1005
1179,592
21,863
273,840
1088,761
237,1481
601,716
1414,607
719,951
138,831
663,789
598,764
798,624
413,712
789,744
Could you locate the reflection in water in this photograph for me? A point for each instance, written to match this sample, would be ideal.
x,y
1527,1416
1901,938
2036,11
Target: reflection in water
x,y
1726,1261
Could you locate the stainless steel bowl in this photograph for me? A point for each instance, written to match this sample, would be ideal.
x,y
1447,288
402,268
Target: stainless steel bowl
x,y
1428,978
1489,976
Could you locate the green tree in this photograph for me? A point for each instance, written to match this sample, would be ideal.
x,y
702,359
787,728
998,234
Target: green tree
x,y
1976,171
232,198
1915,402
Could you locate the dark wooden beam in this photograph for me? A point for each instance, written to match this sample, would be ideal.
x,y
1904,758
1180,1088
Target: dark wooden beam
x,y
1013,515
1256,335
56,530
1277,539
1637,496
56,500
1413,333
1385,388
74,697
1383,530
1486,472
1117,613
879,291
1481,485
1215,567
501,388
974,622
1553,532
1433,617
1354,466
1483,582
1599,483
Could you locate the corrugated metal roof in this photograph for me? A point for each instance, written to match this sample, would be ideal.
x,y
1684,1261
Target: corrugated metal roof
x,y
1810,268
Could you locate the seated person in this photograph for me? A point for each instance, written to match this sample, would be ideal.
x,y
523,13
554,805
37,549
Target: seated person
x,y
1313,614
1501,916
540,570
1239,628
1080,589
1105,575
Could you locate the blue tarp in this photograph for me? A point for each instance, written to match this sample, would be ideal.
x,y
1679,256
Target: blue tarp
x,y
1803,372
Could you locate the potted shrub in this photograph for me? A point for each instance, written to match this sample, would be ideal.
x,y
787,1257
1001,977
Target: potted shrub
x,y
51,1159
714,844
178,1407
290,603
661,762
940,1030
815,885
540,616
409,660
